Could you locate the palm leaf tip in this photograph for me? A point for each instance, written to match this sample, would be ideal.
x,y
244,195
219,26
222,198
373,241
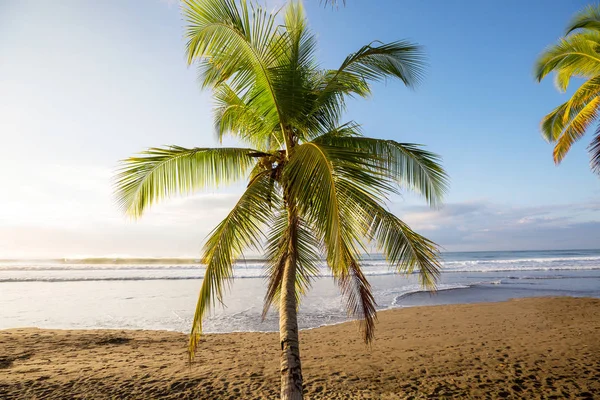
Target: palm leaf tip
x,y
194,342
405,249
376,61
360,301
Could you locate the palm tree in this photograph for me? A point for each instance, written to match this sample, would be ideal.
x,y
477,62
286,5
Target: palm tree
x,y
577,54
316,187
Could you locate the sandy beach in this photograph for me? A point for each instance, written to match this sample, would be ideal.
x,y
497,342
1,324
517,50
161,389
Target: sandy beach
x,y
544,348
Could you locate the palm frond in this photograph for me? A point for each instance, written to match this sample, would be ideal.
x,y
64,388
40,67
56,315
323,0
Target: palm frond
x,y
302,42
568,122
371,63
309,177
295,67
404,249
277,249
575,129
589,90
331,87
588,18
405,163
235,45
338,190
354,286
575,55
360,187
334,3
377,61
162,172
240,230
553,124
356,289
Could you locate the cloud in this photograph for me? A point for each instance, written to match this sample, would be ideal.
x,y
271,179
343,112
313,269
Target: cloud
x,y
484,225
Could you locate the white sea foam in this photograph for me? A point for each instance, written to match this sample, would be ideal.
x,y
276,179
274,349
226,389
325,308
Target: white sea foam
x,y
418,289
174,269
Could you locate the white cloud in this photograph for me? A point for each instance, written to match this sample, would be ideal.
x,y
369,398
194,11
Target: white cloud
x,y
484,225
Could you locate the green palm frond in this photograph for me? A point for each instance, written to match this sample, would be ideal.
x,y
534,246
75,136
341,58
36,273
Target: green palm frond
x,y
377,61
333,3
295,68
354,286
569,122
588,91
302,43
311,179
575,55
312,176
588,18
371,63
553,124
576,128
339,189
352,168
235,45
405,249
240,230
162,172
309,176
356,289
277,248
405,163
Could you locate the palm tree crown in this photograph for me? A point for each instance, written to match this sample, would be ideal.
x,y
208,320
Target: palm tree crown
x,y
577,54
316,186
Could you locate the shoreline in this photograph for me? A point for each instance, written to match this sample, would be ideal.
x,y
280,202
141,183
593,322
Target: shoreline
x,y
521,348
350,321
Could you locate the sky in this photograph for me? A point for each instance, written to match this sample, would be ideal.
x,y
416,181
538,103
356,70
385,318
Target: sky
x,y
84,84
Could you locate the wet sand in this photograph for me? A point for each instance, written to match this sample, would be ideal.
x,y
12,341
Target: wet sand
x,y
542,348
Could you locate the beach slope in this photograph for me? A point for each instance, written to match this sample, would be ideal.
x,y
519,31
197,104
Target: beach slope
x,y
529,348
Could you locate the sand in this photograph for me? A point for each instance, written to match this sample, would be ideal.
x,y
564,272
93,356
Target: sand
x,y
544,348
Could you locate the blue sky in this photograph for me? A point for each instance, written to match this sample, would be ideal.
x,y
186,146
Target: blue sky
x,y
86,83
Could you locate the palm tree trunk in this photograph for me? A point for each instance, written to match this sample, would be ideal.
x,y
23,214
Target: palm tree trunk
x,y
291,370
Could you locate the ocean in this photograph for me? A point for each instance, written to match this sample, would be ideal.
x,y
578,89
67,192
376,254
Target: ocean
x,y
161,293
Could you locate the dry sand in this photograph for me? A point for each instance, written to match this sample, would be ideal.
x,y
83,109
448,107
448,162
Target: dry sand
x,y
544,348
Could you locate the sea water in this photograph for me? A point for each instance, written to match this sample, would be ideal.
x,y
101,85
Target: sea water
x,y
162,293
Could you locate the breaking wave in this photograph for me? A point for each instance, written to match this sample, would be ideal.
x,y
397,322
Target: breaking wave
x,y
186,269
